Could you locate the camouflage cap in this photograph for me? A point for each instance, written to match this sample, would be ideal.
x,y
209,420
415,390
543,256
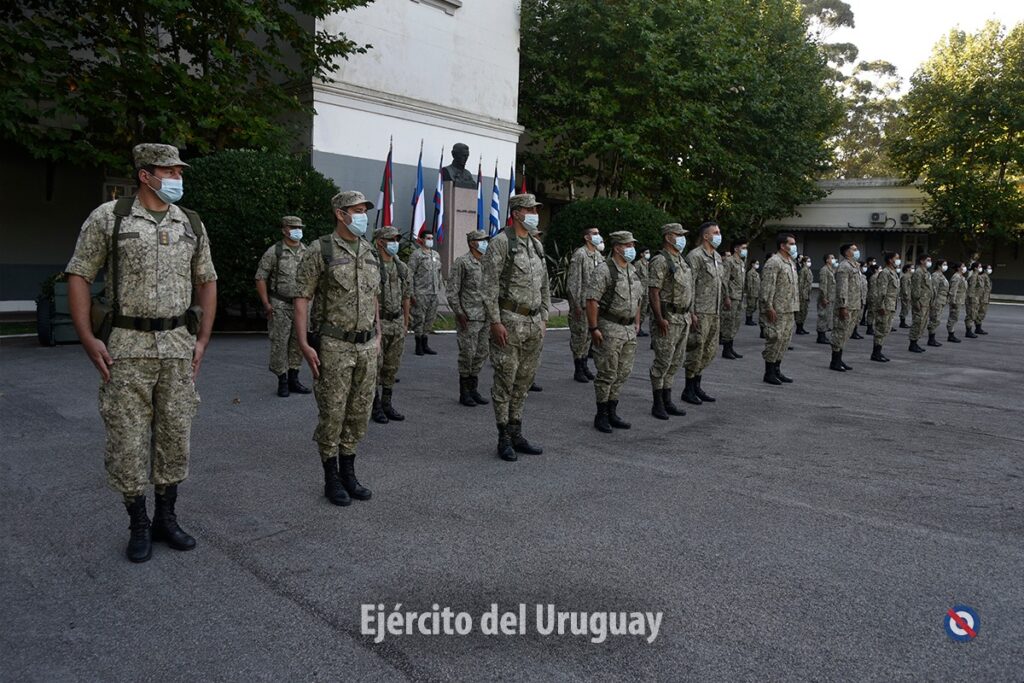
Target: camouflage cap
x,y
291,222
673,229
621,237
388,232
347,198
476,236
522,201
155,154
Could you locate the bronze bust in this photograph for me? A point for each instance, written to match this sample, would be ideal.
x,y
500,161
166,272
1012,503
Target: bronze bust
x,y
456,171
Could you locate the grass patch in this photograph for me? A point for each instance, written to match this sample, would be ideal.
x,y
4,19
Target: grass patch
x,y
17,328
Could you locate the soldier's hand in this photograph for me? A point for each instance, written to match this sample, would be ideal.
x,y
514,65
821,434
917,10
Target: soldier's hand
x,y
844,313
597,337
543,328
771,316
462,321
727,304
197,358
312,359
97,352
499,334
663,327
268,310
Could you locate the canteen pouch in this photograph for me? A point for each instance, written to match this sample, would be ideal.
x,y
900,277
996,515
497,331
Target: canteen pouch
x,y
101,315
193,319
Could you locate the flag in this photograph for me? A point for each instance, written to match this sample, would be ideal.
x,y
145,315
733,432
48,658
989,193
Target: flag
x,y
439,204
480,197
386,198
495,222
511,191
419,209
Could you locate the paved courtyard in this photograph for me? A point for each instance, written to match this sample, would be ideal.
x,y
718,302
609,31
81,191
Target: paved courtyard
x,y
819,530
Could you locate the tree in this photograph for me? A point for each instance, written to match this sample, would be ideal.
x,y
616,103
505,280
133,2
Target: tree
x,y
85,81
871,100
961,135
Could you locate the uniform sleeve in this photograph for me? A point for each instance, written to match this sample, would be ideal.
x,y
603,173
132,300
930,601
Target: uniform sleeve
x,y
92,247
574,282
545,297
598,283
202,264
310,269
842,288
267,264
404,278
492,264
768,284
656,273
455,288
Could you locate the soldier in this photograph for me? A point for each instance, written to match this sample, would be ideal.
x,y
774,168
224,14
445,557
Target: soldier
x,y
778,306
887,291
984,295
670,287
940,295
973,298
805,282
642,265
275,279
709,299
751,290
908,271
734,266
826,297
846,305
613,317
343,272
869,310
159,264
957,299
517,299
862,282
425,266
395,306
581,268
920,300
466,299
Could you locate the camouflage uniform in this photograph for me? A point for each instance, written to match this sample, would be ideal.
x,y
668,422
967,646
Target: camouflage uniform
x,y
957,299
779,291
905,295
643,267
425,266
752,289
395,289
973,297
465,296
887,291
940,295
279,274
826,292
805,282
920,300
733,267
581,269
864,296
618,307
848,296
151,398
984,295
671,274
708,294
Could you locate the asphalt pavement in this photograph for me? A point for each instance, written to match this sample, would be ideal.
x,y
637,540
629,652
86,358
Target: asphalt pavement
x,y
819,530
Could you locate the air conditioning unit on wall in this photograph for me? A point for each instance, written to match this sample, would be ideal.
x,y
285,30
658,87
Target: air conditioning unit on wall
x,y
878,218
907,219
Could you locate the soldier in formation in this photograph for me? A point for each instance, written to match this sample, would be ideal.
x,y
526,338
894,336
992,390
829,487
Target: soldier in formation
x,y
886,291
751,290
709,300
805,282
920,300
735,272
395,305
940,295
642,264
582,265
425,266
905,276
847,304
465,296
957,300
778,306
826,297
670,287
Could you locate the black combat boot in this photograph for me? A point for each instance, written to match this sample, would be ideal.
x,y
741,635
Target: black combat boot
x,y
970,333
282,385
347,474
426,347
294,385
536,387
579,375
871,330
876,354
140,544
846,366
700,392
800,329
778,373
419,345
932,341
951,337
519,442
601,419
658,407
377,412
333,490
388,406
613,416
670,407
165,522
750,320
689,392
822,338
856,334
769,374
836,364
505,450
727,351
474,385
586,367
915,347
464,396
761,336
903,323
641,333
978,330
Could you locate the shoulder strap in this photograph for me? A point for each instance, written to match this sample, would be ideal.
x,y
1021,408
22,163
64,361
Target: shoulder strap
x,y
278,252
122,209
327,248
513,247
609,291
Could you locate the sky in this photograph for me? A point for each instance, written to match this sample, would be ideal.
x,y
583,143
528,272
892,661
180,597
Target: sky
x,y
904,31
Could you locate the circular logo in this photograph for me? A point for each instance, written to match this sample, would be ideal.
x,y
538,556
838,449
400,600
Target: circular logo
x,y
962,623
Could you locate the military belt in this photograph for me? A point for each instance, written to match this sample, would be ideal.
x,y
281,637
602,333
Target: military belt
x,y
351,336
509,305
670,308
616,319
280,297
391,316
128,322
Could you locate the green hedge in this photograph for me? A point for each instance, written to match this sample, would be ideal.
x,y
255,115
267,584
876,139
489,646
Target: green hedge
x,y
644,220
241,196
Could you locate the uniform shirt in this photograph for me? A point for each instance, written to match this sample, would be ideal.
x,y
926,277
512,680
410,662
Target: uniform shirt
x,y
779,285
159,265
395,288
940,289
346,288
734,276
464,289
279,273
986,287
886,289
957,290
425,265
827,284
848,285
805,280
581,270
670,274
905,286
520,278
708,280
753,284
863,288
624,301
973,286
920,289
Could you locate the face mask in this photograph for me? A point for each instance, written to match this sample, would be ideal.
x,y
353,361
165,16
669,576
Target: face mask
x,y
358,225
912,270
600,247
391,248
647,256
863,269
979,270
757,266
429,243
680,243
531,222
481,247
295,234
927,264
743,253
629,253
716,241
943,267
988,271
596,240
898,263
171,189
963,271
856,254
792,251
833,263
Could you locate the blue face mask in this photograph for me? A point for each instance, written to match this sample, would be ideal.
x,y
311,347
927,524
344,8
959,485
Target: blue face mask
x,y
680,243
856,254
295,234
629,253
792,251
391,248
743,253
171,190
531,222
716,241
359,224
481,247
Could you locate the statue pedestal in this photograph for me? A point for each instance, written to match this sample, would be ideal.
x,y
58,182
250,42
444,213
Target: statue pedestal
x,y
459,221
